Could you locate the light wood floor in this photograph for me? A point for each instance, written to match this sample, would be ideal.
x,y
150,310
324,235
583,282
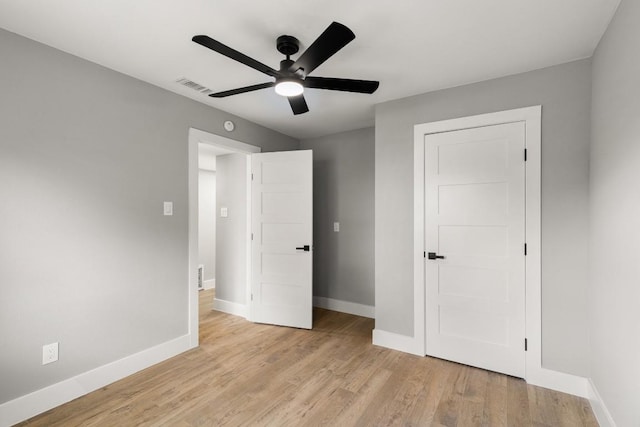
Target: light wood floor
x,y
248,374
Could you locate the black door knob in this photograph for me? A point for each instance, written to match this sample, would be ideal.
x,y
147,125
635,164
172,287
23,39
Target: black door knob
x,y
305,248
432,255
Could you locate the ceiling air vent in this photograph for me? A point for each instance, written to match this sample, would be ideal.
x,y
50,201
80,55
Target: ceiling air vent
x,y
195,86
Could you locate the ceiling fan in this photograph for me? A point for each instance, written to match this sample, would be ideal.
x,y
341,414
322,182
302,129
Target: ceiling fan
x,y
293,76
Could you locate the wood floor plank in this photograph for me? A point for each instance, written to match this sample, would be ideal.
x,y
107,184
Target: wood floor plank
x,y
518,408
450,406
424,409
362,403
246,374
474,398
326,412
409,378
494,413
543,407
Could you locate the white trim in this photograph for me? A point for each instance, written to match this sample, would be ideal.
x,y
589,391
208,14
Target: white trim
x,y
397,342
209,284
559,381
201,137
248,249
600,410
192,264
230,307
42,400
532,116
345,307
419,290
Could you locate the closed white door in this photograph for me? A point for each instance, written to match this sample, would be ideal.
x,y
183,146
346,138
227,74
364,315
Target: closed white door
x,y
282,261
475,242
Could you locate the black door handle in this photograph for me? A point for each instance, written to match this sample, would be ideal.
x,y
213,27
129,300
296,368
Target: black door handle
x,y
432,255
305,248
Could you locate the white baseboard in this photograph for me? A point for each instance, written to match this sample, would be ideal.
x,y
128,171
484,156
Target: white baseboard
x,y
230,307
42,400
554,380
600,410
209,284
396,342
345,307
559,381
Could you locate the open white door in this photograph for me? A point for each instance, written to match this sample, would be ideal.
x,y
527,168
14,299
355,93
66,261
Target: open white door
x,y
282,261
475,239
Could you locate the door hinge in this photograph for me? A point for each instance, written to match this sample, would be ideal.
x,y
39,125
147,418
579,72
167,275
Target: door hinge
x,y
525,249
251,177
251,236
525,344
251,297
525,154
425,254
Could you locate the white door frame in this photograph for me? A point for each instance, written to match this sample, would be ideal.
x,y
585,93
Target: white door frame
x,y
196,137
532,116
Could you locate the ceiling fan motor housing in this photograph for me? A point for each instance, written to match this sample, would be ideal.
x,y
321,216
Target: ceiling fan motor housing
x,y
287,45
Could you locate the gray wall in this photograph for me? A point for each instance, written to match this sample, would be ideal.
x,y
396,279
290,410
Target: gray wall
x,y
614,293
87,156
565,93
207,223
343,191
231,232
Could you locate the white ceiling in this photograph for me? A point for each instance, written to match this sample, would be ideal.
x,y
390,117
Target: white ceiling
x,y
410,46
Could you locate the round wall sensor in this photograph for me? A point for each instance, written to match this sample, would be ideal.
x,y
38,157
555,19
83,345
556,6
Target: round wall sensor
x,y
229,126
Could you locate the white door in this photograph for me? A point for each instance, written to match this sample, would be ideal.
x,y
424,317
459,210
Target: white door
x,y
475,221
282,214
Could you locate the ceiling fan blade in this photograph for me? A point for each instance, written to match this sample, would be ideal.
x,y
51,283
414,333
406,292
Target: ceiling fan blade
x,y
242,90
346,85
225,50
334,38
298,104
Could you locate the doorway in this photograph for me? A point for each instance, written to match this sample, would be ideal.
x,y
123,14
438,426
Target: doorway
x,y
207,156
232,222
277,209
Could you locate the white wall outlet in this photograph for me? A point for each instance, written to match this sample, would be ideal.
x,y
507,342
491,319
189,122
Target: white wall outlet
x,y
336,226
168,208
224,212
49,353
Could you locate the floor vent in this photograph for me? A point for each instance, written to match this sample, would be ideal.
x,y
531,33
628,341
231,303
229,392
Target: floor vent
x,y
195,86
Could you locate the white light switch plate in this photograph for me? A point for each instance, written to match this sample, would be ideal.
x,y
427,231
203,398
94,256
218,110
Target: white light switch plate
x,y
336,226
168,208
224,212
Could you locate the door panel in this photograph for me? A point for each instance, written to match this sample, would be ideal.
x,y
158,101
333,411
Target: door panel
x,y
473,282
472,158
473,325
282,210
474,217
473,240
485,199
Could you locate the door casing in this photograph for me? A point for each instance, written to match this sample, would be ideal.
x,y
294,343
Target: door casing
x,y
532,117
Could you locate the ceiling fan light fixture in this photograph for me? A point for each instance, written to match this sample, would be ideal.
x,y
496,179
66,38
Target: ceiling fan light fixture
x,y
293,76
288,88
